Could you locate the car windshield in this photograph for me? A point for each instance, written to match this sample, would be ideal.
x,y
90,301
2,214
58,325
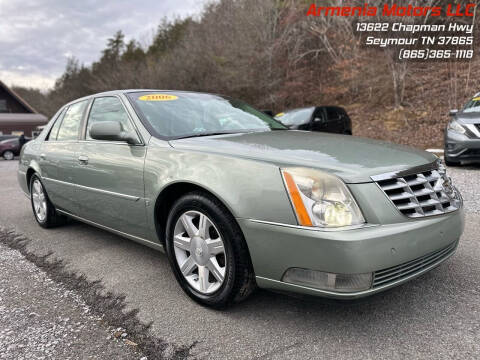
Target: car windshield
x,y
473,105
179,114
295,117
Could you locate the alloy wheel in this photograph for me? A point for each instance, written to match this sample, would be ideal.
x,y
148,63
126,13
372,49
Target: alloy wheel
x,y
39,200
8,155
199,252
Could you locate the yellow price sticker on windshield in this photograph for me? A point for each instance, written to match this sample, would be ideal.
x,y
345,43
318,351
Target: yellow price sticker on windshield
x,y
279,114
158,97
476,99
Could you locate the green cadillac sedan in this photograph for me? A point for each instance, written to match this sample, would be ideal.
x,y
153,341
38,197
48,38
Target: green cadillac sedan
x,y
237,201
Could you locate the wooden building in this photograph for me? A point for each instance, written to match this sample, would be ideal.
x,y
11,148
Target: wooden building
x,y
17,116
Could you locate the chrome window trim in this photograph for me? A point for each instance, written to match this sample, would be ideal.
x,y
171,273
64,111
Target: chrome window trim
x,y
315,228
67,107
60,141
57,117
106,192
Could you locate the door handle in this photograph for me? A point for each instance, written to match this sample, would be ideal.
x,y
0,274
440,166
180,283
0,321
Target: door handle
x,y
83,159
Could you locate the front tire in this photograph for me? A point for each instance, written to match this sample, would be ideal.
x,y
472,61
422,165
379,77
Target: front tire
x,y
8,155
207,251
43,209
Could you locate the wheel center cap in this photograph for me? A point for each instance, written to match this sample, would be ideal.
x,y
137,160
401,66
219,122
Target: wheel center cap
x,y
199,250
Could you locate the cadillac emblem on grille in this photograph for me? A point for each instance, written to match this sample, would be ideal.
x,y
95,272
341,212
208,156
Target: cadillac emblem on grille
x,y
448,187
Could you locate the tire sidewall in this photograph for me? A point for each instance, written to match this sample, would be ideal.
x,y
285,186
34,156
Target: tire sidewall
x,y
8,152
45,221
197,202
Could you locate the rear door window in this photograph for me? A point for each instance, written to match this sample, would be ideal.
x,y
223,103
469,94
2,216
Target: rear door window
x,y
332,113
71,121
320,114
52,136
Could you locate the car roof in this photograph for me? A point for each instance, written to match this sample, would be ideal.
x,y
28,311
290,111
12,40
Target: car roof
x,y
127,91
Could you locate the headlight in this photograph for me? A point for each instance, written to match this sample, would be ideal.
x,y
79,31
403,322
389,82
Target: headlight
x,y
320,199
455,126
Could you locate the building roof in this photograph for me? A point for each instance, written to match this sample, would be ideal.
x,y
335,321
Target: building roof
x,y
24,118
17,97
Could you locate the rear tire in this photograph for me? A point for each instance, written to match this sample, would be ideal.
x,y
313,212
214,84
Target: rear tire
x,y
43,209
232,278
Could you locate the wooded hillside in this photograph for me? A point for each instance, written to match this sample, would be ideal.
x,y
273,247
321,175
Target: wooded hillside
x,y
270,54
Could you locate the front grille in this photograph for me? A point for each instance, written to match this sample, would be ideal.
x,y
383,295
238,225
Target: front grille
x,y
478,126
425,193
395,273
471,152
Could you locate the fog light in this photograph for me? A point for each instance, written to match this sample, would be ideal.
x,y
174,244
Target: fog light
x,y
328,281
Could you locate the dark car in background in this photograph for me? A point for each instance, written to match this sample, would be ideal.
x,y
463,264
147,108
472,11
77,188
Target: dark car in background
x,y
7,137
462,136
11,147
332,119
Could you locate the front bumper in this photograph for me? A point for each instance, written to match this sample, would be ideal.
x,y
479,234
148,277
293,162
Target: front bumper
x,y
275,248
461,147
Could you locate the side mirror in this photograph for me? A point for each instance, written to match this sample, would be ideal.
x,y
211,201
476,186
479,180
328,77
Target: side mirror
x,y
112,131
453,112
268,112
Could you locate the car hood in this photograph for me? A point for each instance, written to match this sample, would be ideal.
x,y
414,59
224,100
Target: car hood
x,y
352,158
468,117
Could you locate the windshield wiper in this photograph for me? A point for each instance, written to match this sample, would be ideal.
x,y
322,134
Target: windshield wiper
x,y
222,133
210,134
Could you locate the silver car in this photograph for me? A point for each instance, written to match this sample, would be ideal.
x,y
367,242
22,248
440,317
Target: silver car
x,y
237,201
462,136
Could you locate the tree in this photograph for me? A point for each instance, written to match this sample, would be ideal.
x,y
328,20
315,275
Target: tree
x,y
115,46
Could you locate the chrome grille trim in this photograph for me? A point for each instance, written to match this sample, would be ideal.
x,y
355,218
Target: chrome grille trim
x,y
385,276
424,191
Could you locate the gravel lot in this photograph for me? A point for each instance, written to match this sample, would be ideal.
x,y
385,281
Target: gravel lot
x,y
40,318
436,316
467,179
